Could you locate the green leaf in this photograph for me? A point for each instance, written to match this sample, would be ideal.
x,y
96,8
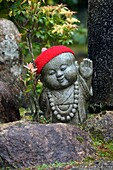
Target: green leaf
x,y
29,88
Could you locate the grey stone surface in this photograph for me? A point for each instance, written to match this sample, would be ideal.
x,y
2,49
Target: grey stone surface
x,y
24,144
10,67
100,49
9,110
10,60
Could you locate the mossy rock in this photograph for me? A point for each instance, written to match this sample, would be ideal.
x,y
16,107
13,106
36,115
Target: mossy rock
x,y
100,126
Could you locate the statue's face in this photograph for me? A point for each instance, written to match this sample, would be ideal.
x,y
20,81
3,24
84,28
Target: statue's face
x,y
60,72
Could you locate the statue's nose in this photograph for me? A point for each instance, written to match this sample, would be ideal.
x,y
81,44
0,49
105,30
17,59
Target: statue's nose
x,y
59,73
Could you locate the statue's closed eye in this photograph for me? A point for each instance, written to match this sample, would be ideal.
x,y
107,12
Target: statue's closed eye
x,y
51,72
63,67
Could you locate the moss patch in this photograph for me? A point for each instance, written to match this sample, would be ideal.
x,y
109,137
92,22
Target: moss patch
x,y
80,139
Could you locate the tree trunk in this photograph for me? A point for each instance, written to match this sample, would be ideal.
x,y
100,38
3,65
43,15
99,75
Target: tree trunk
x,y
100,49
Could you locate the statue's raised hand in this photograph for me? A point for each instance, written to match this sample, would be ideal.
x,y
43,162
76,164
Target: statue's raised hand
x,y
86,68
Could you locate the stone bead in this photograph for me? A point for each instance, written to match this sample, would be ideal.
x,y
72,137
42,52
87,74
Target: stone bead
x,y
76,91
51,104
55,112
68,117
49,95
53,108
71,114
76,96
76,101
76,83
73,110
62,118
51,100
58,116
75,106
77,87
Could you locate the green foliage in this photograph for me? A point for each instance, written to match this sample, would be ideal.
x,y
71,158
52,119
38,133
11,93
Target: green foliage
x,y
71,3
80,139
55,165
89,160
43,25
81,36
32,89
43,120
25,114
10,0
97,135
105,150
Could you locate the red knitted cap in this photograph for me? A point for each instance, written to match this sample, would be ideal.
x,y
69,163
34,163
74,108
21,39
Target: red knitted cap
x,y
49,54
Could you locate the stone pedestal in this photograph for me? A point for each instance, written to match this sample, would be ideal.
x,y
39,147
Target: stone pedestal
x,y
100,47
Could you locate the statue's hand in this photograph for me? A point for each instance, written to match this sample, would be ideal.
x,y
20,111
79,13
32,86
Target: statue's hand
x,y
86,68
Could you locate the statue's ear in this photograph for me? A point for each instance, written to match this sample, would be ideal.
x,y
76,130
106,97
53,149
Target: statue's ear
x,y
76,64
77,67
41,79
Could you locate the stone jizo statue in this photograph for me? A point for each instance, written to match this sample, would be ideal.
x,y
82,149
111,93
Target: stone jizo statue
x,y
67,85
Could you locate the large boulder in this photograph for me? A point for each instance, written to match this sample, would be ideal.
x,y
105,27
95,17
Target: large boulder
x,y
9,109
24,144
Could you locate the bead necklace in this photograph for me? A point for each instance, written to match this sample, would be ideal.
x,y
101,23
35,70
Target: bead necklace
x,y
68,114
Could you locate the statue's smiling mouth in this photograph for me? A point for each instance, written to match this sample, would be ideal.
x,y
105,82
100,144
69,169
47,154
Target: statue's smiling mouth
x,y
60,80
